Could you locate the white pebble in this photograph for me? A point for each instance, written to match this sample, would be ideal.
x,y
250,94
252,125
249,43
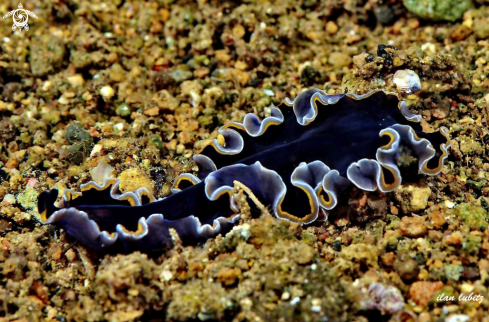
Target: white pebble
x,y
295,300
166,275
458,318
76,80
107,92
449,204
407,81
10,199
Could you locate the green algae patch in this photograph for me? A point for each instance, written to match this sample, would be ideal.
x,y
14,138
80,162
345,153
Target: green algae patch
x,y
28,200
454,272
449,10
473,216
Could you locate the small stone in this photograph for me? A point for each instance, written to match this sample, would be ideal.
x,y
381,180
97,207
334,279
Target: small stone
x,y
457,318
461,32
166,275
407,268
303,255
413,227
453,272
241,65
407,81
454,238
132,179
76,80
339,60
438,219
384,14
70,255
117,73
438,114
47,54
397,62
386,299
388,259
222,56
316,305
238,31
107,92
360,60
10,199
153,111
201,72
102,171
429,47
229,276
412,197
413,23
331,27
243,77
180,149
422,292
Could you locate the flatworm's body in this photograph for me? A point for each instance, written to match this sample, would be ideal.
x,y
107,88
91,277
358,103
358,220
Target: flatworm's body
x,y
297,161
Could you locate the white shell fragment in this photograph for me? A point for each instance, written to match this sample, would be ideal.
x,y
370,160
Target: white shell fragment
x,y
407,81
107,92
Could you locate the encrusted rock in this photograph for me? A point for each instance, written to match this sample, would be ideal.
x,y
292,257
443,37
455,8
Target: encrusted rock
x,y
413,197
413,227
422,292
132,179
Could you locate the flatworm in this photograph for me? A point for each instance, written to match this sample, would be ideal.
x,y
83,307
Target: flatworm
x,y
297,161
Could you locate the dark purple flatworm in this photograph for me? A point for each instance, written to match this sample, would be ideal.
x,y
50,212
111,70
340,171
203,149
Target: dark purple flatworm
x,y
297,161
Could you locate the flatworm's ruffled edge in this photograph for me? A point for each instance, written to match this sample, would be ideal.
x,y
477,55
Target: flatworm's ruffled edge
x,y
369,174
315,179
323,185
230,142
152,232
77,224
365,174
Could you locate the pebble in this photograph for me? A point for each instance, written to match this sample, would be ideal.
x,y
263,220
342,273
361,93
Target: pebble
x,y
238,31
303,255
384,14
339,60
461,33
438,114
407,81
413,23
413,227
438,219
454,238
422,292
360,60
407,268
10,198
107,92
412,197
132,179
331,27
229,276
76,80
316,305
153,111
388,259
449,204
166,275
458,318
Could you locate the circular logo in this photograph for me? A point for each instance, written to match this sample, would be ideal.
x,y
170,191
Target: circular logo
x,y
20,18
